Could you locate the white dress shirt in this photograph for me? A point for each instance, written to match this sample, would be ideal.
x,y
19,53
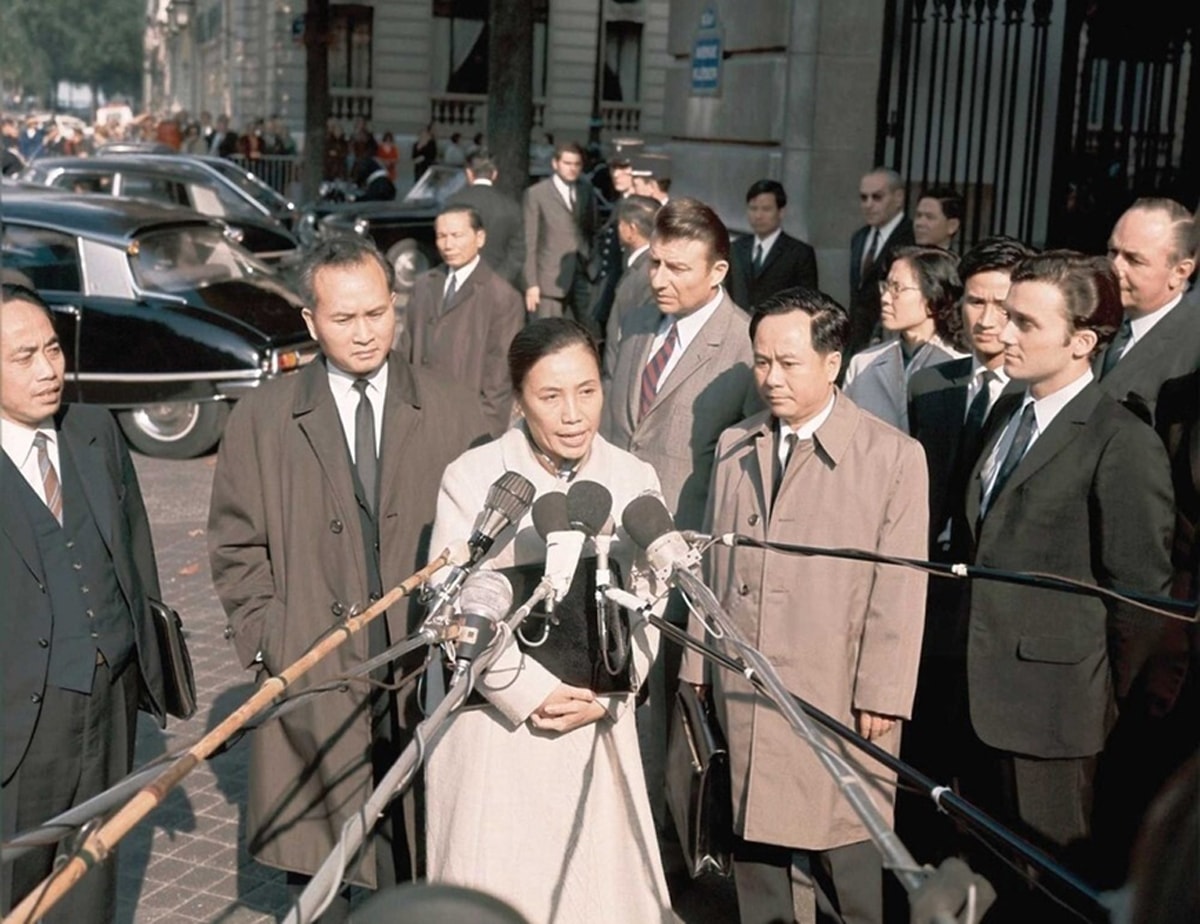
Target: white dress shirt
x,y
766,243
629,261
1139,327
805,431
460,275
346,399
564,189
686,330
998,383
18,446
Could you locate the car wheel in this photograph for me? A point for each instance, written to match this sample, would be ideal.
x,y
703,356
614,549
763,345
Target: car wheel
x,y
408,261
176,429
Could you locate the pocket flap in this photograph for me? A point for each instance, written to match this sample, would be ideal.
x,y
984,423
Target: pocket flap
x,y
1052,649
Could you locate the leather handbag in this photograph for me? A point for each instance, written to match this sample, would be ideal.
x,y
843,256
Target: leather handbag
x,y
698,787
179,683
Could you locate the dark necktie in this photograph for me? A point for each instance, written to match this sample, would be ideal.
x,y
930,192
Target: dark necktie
x,y
1016,451
1117,348
758,257
571,195
451,289
789,447
869,252
364,443
50,483
977,412
653,373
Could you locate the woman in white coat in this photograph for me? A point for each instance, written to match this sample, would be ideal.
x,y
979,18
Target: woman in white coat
x,y
538,797
919,302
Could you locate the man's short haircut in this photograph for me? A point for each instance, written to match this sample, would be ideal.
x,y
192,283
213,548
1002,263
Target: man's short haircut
x,y
1087,284
482,165
343,250
567,147
830,321
937,275
19,292
1185,230
638,211
894,180
948,197
774,187
690,219
462,208
993,254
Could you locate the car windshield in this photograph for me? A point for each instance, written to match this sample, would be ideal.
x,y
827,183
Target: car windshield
x,y
191,257
437,183
252,186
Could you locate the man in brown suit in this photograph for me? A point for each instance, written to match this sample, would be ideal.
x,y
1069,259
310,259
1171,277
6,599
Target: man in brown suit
x,y
323,498
560,225
845,636
462,316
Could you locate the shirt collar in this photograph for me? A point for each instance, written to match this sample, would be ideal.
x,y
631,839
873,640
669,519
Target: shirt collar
x,y
885,231
637,253
1047,408
1143,324
807,429
17,439
977,370
689,326
563,187
341,383
481,181
769,241
462,274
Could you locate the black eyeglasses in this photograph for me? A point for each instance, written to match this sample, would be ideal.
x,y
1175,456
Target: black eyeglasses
x,y
886,286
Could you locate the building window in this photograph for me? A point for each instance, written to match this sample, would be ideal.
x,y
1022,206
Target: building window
x,y
622,62
460,46
350,37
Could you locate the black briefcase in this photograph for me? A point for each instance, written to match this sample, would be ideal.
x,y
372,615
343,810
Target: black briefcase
x,y
698,788
179,683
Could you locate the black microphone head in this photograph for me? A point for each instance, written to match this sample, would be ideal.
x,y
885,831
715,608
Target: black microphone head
x,y
486,593
511,494
588,507
550,513
646,518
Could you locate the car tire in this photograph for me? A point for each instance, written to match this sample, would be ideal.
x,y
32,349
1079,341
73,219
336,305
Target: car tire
x,y
408,261
175,430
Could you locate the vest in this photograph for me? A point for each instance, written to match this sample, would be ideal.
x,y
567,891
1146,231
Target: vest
x,y
90,611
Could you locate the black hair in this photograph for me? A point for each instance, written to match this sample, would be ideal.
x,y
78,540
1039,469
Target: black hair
x,y
691,220
342,250
1000,253
470,211
542,337
774,187
830,321
936,270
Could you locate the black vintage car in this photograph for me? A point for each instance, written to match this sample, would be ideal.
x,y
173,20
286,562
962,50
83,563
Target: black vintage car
x,y
162,317
402,230
174,179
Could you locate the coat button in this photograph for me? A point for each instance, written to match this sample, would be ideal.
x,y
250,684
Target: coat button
x,y
35,698
744,589
336,608
335,526
43,643
374,597
228,633
752,519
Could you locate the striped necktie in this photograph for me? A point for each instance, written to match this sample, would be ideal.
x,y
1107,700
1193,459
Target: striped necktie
x,y
653,373
50,483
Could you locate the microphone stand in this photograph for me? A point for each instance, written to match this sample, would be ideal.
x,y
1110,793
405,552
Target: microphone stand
x,y
325,883
1185,609
99,844
943,797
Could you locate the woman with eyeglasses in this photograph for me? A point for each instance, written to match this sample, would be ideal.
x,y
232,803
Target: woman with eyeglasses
x,y
919,310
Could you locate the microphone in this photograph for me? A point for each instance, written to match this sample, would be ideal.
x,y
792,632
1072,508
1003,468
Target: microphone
x,y
564,545
588,507
649,524
485,600
507,501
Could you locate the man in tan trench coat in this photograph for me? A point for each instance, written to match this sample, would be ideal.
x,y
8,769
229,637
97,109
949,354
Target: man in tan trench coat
x,y
843,635
298,538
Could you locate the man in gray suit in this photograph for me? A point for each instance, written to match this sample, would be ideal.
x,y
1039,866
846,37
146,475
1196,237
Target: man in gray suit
x,y
560,224
504,249
635,222
683,374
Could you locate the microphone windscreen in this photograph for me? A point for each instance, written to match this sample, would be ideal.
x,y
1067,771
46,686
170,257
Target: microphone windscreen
x,y
588,506
646,518
550,513
486,593
511,494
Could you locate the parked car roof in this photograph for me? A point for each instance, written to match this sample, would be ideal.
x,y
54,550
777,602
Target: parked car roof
x,y
101,217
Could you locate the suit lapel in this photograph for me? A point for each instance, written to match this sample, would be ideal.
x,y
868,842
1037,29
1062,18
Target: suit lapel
x,y
400,417
1146,352
703,347
640,342
89,462
1065,427
13,521
1000,414
316,415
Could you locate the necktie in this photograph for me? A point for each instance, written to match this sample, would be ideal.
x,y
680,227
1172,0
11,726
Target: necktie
x,y
451,289
571,195
789,447
653,373
1016,451
1117,348
758,257
50,482
869,252
977,412
364,443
